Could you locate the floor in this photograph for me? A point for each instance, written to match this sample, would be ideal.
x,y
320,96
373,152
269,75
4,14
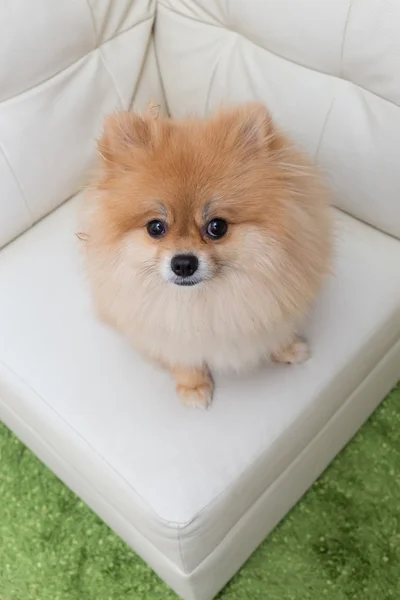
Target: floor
x,y
341,542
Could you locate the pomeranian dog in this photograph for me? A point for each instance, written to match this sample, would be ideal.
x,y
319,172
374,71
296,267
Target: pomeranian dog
x,y
207,241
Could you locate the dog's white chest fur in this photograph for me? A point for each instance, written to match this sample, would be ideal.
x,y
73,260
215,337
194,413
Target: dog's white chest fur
x,y
181,328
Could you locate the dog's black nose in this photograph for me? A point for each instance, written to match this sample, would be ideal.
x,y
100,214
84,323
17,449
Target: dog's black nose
x,y
184,265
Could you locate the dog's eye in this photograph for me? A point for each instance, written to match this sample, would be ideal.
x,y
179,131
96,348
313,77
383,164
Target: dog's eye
x,y
156,228
217,228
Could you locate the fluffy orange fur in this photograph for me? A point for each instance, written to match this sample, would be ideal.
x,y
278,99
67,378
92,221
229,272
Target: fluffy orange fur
x,y
257,281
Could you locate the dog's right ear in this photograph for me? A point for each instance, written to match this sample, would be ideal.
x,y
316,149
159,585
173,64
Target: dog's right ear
x,y
125,134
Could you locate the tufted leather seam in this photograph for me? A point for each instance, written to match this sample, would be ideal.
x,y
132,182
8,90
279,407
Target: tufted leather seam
x,y
346,25
93,22
140,75
328,114
99,33
33,87
212,77
160,74
28,208
231,31
103,60
217,23
105,65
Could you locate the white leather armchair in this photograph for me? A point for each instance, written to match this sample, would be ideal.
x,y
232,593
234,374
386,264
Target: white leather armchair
x,y
193,493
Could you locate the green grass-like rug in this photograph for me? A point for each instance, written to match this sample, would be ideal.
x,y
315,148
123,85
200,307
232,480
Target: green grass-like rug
x,y
342,541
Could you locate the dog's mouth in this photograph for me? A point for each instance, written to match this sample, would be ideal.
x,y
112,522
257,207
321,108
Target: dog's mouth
x,y
186,282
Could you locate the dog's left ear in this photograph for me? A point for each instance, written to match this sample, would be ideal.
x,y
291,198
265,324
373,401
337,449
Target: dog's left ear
x,y
250,126
255,126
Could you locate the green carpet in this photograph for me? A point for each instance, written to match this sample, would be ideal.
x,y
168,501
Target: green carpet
x,y
341,542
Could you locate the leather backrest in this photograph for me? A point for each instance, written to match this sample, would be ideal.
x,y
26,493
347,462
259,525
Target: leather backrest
x,y
64,64
329,70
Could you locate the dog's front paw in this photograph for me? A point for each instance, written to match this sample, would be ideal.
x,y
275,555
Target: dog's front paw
x,y
195,387
196,397
296,352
